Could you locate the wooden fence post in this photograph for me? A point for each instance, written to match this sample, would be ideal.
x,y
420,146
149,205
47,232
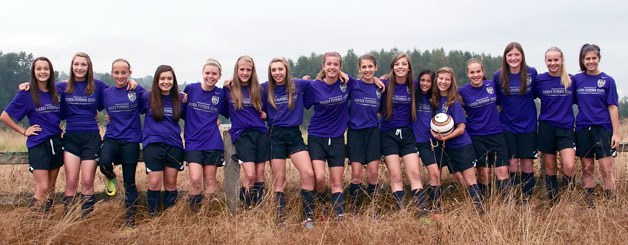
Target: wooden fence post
x,y
232,175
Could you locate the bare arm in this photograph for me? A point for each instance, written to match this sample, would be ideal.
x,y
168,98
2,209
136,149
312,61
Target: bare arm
x,y
613,111
32,130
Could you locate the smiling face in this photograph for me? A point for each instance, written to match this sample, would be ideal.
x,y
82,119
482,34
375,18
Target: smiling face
x,y
513,59
475,73
367,69
245,71
425,83
42,71
554,62
79,68
211,75
166,81
331,66
278,72
443,82
401,68
591,61
121,72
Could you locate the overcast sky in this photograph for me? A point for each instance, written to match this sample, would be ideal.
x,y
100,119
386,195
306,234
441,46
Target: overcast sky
x,y
185,33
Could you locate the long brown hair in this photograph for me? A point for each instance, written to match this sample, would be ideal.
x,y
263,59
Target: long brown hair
x,y
452,92
90,87
505,71
390,88
156,103
272,84
255,88
50,84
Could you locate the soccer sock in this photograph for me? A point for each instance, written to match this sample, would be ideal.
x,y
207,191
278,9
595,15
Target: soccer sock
x,y
483,189
398,196
418,197
354,190
281,204
528,183
88,202
130,189
435,194
170,198
502,186
195,202
474,192
68,202
257,192
370,190
568,182
307,197
153,202
338,200
551,182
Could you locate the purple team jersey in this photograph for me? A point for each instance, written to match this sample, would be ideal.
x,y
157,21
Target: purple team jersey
x,y
457,113
424,111
364,105
79,109
123,107
518,113
283,116
556,101
246,118
481,107
331,107
166,131
46,115
593,95
201,115
402,107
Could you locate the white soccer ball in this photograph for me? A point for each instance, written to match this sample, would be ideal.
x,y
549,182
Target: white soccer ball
x,y
442,123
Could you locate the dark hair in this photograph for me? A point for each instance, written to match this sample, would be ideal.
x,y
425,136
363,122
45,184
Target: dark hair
x,y
584,50
425,72
156,103
390,88
50,84
90,87
505,71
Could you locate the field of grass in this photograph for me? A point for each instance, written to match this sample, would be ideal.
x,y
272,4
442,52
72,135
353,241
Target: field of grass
x,y
569,222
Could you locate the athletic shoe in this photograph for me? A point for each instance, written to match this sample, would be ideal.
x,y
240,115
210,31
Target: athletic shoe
x,y
308,223
110,187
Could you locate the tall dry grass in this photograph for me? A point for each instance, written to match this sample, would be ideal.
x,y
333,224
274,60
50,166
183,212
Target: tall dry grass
x,y
569,222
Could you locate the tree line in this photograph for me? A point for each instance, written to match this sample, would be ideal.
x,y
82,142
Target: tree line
x,y
15,68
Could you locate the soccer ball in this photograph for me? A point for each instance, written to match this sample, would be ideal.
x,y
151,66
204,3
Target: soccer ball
x,y
442,123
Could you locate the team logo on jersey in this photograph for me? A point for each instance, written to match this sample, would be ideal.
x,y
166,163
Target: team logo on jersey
x,y
445,108
601,83
529,79
131,96
343,87
378,93
408,90
489,89
215,99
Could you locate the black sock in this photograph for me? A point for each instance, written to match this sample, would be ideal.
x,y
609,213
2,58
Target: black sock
x,y
436,193
307,197
130,189
257,192
398,196
528,183
418,197
354,191
281,204
153,201
567,182
88,202
68,202
474,192
370,190
195,202
321,197
551,182
483,189
338,200
609,194
502,186
170,198
245,197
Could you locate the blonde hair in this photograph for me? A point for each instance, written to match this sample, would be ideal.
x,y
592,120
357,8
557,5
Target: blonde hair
x,y
255,88
321,74
565,80
213,62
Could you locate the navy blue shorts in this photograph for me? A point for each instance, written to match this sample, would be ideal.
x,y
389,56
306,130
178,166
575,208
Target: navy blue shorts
x,y
46,156
209,158
521,145
84,145
426,153
157,156
398,142
252,146
490,150
363,145
119,152
552,139
331,150
594,141
457,159
285,142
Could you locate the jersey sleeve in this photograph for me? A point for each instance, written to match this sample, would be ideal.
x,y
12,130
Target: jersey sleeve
x,y
18,107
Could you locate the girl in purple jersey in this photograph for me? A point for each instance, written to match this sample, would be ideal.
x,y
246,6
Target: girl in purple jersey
x,y
397,140
329,96
363,139
41,106
556,121
514,83
284,108
163,147
121,144
456,148
204,149
81,99
597,123
479,99
248,131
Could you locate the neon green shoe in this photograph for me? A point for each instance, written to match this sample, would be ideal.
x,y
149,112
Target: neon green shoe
x,y
110,187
